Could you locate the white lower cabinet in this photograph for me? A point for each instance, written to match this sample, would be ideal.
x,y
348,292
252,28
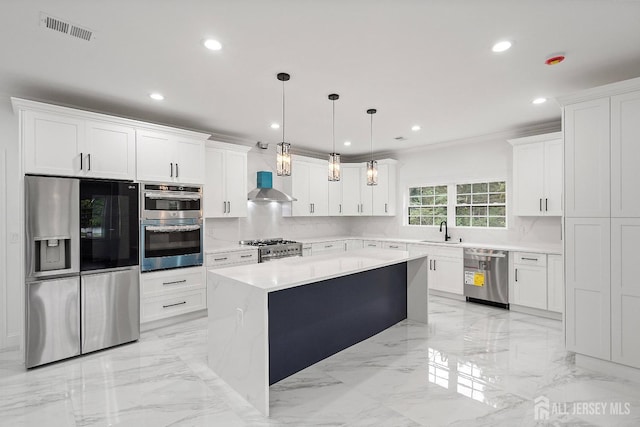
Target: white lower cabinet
x,y
529,280
230,258
446,269
353,244
328,247
625,291
169,293
555,283
371,244
399,246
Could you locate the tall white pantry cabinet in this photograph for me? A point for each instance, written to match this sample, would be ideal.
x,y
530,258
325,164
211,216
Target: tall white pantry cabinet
x,y
602,221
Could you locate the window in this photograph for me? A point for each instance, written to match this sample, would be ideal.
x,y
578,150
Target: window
x,y
482,204
428,205
476,204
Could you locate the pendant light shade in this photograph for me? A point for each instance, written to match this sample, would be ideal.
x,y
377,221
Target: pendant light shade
x,y
372,165
283,149
334,158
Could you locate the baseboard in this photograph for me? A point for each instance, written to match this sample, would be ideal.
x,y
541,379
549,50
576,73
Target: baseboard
x,y
607,367
536,312
149,326
447,295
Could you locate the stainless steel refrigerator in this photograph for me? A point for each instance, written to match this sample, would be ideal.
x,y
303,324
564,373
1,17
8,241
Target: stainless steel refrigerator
x,y
82,281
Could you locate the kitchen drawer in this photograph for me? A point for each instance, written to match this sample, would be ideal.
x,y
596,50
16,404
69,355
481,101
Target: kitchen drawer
x,y
394,245
171,281
447,252
155,308
527,258
330,246
224,259
371,244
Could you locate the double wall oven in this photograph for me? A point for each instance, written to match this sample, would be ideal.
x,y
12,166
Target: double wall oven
x,y
171,227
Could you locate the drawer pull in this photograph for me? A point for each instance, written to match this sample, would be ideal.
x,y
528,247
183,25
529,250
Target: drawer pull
x,y
173,305
394,246
175,282
328,246
220,259
530,259
246,256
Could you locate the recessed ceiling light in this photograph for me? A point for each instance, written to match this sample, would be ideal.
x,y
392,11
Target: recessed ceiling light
x,y
275,126
501,46
156,96
347,143
212,44
539,101
415,128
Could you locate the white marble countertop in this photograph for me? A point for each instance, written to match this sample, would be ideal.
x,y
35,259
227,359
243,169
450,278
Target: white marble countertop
x,y
517,246
295,271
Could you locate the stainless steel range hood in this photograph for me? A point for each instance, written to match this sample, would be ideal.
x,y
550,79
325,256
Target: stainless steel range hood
x,y
265,191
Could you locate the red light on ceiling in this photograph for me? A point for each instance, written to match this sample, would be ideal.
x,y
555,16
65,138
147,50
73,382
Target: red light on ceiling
x,y
554,60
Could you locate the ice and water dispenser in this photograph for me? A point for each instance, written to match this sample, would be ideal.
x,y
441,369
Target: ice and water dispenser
x,y
52,218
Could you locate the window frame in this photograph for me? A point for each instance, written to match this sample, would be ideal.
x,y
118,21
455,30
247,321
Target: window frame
x,y
452,202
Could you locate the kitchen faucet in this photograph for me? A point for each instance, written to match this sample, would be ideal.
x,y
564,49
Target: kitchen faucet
x,y
446,231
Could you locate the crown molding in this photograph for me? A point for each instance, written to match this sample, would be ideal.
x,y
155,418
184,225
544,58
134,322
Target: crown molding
x,y
604,91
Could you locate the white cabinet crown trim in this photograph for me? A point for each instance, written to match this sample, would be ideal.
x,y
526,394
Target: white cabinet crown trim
x,y
598,92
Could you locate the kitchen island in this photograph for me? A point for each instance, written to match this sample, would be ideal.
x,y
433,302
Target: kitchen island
x,y
270,320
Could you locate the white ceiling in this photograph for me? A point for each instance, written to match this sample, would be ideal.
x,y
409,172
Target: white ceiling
x,y
416,61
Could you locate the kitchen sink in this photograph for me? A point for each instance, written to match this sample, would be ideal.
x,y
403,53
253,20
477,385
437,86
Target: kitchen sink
x,y
448,242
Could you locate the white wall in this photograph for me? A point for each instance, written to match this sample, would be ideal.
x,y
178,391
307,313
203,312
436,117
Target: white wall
x,y
265,219
11,299
489,160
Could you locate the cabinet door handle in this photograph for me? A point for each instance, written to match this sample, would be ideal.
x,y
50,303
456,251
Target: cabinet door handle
x,y
434,265
89,157
339,207
229,205
175,282
177,171
224,207
81,161
530,259
171,170
220,259
246,256
173,305
540,205
385,208
430,264
516,274
546,205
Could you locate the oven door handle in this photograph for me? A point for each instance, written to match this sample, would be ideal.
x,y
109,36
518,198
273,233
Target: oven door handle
x,y
171,228
158,196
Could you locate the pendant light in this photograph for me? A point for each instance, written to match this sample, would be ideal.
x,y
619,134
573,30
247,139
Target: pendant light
x,y
372,165
283,150
334,158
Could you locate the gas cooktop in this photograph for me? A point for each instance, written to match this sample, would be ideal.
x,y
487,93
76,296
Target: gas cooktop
x,y
267,242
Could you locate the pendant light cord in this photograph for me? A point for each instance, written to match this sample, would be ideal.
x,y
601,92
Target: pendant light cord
x,y
334,126
371,139
283,111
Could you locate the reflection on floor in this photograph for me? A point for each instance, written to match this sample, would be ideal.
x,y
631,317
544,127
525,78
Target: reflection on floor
x,y
472,365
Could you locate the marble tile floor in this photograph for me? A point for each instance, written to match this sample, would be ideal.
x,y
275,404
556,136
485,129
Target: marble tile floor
x,y
471,365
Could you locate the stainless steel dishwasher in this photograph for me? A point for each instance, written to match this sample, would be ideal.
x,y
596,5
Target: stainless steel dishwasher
x,y
486,276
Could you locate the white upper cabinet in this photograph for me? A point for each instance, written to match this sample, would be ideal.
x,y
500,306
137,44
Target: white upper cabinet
x,y
587,168
366,193
167,157
309,184
225,188
384,194
69,142
52,143
350,178
625,155
335,198
110,150
537,175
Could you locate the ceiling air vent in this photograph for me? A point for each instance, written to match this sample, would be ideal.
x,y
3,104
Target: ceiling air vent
x,y
65,27
400,138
